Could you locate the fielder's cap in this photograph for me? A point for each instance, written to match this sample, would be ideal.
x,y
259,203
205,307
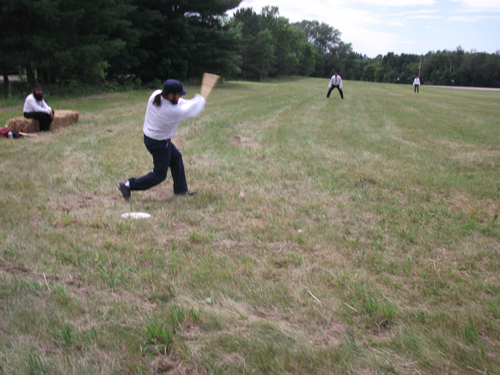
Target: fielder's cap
x,y
173,86
37,86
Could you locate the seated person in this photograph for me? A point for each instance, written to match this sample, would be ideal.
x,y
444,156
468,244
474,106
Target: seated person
x,y
36,108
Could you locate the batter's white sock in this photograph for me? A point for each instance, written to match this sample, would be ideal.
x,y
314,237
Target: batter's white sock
x,y
127,184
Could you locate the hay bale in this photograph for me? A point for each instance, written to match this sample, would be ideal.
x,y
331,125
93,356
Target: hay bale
x,y
61,118
25,125
64,118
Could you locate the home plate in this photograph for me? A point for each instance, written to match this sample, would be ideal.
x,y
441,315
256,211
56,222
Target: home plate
x,y
136,215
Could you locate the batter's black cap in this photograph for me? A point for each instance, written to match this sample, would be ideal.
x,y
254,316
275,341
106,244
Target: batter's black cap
x,y
173,86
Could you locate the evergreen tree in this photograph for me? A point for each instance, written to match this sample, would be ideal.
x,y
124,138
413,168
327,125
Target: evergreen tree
x,y
327,43
61,40
258,45
179,39
272,46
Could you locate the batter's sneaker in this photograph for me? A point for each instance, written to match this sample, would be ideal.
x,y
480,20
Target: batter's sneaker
x,y
189,192
125,190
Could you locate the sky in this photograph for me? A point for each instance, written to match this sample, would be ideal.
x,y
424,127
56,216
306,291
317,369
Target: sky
x,y
376,27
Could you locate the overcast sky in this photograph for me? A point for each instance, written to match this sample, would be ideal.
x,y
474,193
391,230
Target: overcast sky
x,y
376,27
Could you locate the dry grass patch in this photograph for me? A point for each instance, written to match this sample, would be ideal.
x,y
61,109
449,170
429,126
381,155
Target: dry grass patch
x,y
337,236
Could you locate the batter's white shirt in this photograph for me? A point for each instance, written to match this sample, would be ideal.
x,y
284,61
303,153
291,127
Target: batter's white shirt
x,y
335,82
33,105
161,123
416,81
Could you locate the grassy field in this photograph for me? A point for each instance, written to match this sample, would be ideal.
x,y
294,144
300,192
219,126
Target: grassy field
x,y
328,236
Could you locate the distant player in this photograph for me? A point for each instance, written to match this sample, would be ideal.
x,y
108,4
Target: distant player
x,y
416,85
335,82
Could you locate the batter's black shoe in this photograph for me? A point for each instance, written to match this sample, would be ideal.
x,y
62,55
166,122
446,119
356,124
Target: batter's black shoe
x,y
125,190
189,192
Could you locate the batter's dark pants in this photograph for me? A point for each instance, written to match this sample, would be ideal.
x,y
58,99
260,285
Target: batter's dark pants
x,y
44,119
165,155
416,88
333,87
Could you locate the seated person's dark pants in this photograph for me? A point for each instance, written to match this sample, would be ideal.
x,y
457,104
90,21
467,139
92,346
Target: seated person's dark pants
x,y
165,155
44,119
333,87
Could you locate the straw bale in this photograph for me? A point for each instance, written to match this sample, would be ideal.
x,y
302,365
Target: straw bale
x,y
61,118
64,118
25,125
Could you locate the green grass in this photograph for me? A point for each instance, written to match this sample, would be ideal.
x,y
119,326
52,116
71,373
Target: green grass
x,y
328,236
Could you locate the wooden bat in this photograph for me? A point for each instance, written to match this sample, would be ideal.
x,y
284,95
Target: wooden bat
x,y
28,134
207,84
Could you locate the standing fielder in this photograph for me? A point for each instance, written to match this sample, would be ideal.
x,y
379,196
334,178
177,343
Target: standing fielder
x,y
166,109
416,85
335,82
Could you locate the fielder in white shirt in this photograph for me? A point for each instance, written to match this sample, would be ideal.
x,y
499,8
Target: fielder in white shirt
x,y
166,109
416,85
335,82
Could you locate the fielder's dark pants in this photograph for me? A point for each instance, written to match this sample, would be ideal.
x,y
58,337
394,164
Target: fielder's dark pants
x,y
415,88
165,155
44,119
333,87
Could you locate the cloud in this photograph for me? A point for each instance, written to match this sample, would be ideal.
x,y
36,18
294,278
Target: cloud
x,y
473,18
405,15
395,23
478,5
378,42
379,26
331,5
395,3
426,16
359,24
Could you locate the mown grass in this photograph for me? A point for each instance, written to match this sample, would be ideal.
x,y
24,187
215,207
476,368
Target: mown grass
x,y
328,236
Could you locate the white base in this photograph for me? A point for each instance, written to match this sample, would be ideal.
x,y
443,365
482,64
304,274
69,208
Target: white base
x,y
136,215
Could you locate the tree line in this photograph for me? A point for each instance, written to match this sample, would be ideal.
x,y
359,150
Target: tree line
x,y
65,41
447,68
70,41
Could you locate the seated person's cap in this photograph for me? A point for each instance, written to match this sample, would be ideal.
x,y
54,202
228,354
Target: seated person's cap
x,y
173,86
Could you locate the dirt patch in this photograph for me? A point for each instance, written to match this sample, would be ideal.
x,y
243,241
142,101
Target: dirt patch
x,y
73,202
240,141
13,270
198,160
483,210
10,270
12,107
173,366
76,285
177,232
6,165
